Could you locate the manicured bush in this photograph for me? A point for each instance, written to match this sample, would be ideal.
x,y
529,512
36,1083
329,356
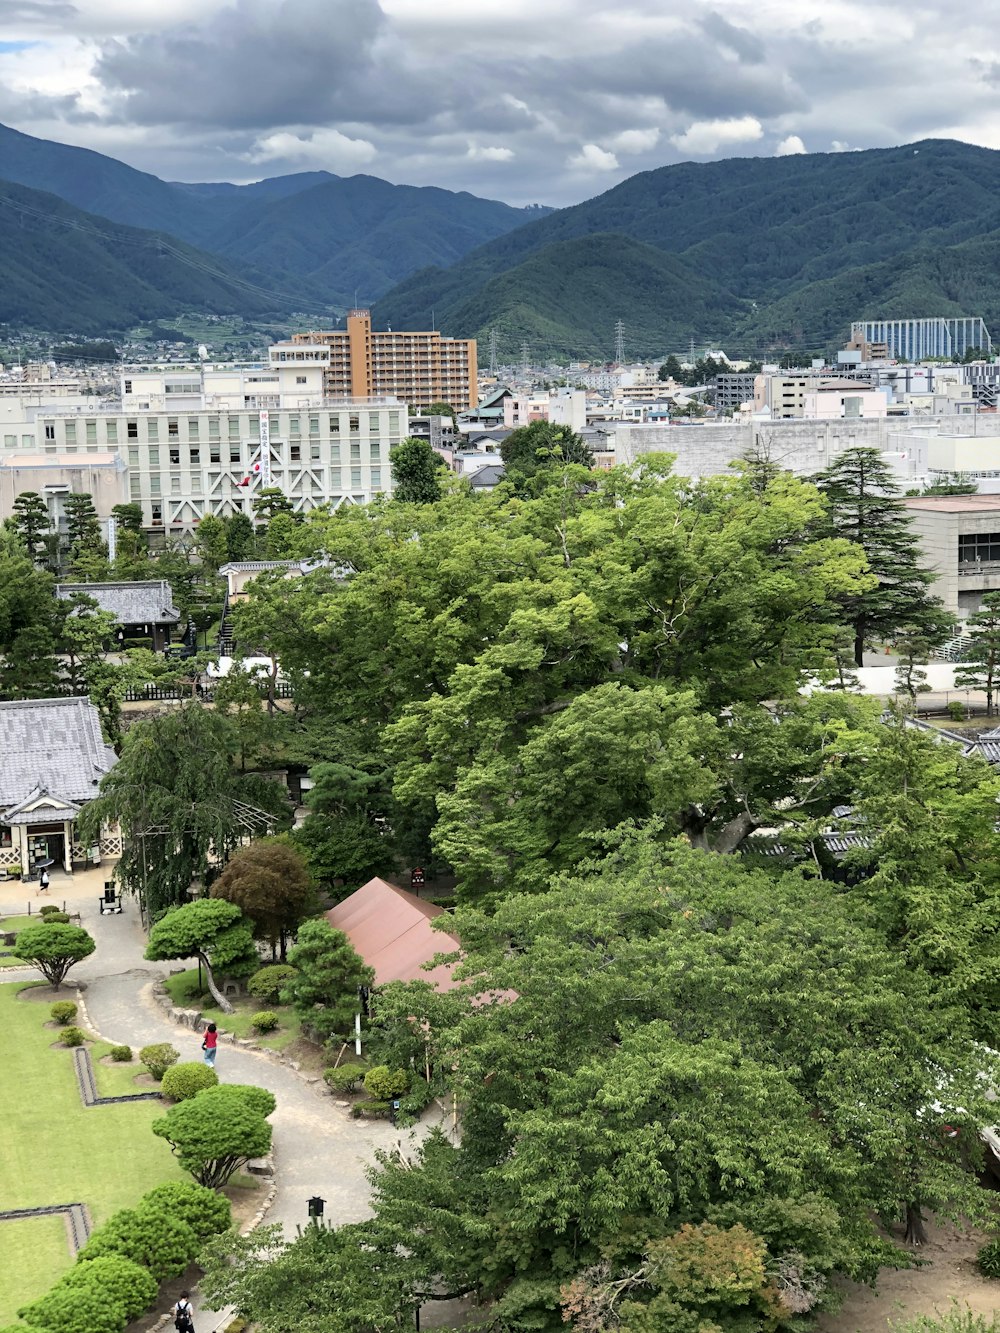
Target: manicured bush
x,y
988,1259
205,1212
158,1058
265,1021
384,1083
75,1309
63,1012
258,1099
73,1036
121,1054
57,918
148,1236
53,949
183,1081
122,1280
218,1131
48,909
371,1110
345,1078
956,710
269,982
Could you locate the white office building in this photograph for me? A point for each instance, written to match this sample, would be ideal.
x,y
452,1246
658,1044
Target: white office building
x,y
915,339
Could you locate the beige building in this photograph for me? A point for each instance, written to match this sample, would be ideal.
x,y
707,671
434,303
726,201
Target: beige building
x,y
56,475
960,536
418,368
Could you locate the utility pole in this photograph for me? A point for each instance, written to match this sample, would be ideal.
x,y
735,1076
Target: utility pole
x,y
619,342
692,349
493,352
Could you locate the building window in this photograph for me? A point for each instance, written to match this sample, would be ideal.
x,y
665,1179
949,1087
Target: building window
x,y
376,476
373,422
394,422
334,425
314,425
355,423
295,453
175,457
133,457
293,425
355,451
234,451
980,548
173,431
234,428
91,432
300,379
152,430
112,432
175,485
154,483
192,428
128,386
314,454
195,454
157,512
134,487
375,452
213,453
154,455
355,477
213,426
50,430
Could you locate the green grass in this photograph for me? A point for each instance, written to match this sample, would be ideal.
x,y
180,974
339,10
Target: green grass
x,y
18,922
183,990
32,1252
54,1149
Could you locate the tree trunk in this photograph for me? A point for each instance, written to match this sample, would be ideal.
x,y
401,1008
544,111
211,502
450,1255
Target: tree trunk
x,y
217,995
916,1232
859,646
733,834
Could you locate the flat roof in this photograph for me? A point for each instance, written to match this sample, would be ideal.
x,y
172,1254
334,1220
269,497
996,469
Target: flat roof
x,y
955,504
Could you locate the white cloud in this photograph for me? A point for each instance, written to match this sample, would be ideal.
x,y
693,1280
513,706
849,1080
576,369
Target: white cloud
x,y
489,153
322,148
790,147
636,141
592,158
838,146
708,136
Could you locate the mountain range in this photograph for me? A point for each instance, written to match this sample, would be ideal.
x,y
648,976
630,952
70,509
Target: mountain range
x,y
753,254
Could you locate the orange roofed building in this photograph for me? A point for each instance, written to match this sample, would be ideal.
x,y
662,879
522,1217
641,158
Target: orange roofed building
x,y
391,930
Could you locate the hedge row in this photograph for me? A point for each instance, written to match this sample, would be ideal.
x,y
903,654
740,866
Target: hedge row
x,y
118,1272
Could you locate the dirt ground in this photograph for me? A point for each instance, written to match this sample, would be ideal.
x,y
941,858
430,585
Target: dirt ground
x,y
949,1276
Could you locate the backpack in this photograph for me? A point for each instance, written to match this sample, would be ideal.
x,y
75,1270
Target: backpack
x,y
183,1321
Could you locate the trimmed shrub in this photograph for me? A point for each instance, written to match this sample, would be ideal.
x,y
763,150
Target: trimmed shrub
x,y
345,1078
148,1236
73,1036
205,1212
218,1131
269,982
121,1054
158,1058
258,1099
182,1081
48,909
265,1021
120,1279
70,1309
57,918
63,1012
383,1083
988,1259
371,1111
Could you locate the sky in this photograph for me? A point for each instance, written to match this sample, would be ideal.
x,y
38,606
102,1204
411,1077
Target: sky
x,y
530,101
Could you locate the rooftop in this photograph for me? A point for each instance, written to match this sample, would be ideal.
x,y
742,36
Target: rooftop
x,y
391,930
130,603
955,504
54,745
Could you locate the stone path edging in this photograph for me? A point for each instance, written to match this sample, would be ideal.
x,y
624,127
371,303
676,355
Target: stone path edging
x,y
76,1215
88,1086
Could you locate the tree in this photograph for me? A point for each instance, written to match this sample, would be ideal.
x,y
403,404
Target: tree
x,y
181,803
53,949
416,472
344,836
67,1309
214,1134
671,370
212,930
118,1279
31,518
241,538
541,445
864,508
980,668
129,518
281,536
444,410
239,697
268,881
210,542
28,665
84,543
329,974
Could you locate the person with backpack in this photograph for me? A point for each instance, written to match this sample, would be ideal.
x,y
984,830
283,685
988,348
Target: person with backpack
x,y
183,1314
210,1045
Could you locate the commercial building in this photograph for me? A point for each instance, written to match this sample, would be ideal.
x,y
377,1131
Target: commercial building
x,y
362,362
916,339
960,538
732,391
55,475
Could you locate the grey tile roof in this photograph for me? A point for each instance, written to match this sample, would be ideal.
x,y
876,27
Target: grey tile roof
x,y
53,744
241,566
149,603
485,478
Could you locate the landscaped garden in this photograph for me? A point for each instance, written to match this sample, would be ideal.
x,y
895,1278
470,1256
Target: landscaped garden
x,y
186,993
56,1151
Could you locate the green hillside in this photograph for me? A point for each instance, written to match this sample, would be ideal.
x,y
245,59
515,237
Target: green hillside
x,y
808,243
70,271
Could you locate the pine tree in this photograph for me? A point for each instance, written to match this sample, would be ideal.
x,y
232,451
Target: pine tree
x,y
83,531
31,517
865,508
981,668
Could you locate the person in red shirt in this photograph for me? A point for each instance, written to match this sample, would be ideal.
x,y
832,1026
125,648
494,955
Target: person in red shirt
x,y
211,1044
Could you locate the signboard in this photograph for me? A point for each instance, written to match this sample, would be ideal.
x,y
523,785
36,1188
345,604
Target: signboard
x,y
265,449
416,878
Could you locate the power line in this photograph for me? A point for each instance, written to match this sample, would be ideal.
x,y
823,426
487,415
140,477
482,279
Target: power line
x,y
525,364
494,340
619,342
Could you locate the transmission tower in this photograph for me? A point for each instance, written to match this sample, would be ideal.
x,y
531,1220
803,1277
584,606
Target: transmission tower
x,y
493,352
619,342
525,363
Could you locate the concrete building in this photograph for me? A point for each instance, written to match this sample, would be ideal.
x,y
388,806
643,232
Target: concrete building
x,y
362,362
55,475
917,339
732,391
960,537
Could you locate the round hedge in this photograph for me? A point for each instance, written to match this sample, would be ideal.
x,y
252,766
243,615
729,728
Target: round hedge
x,y
265,1021
269,982
180,1082
205,1212
345,1078
146,1235
121,1054
70,1309
73,1037
63,1012
123,1280
158,1058
384,1083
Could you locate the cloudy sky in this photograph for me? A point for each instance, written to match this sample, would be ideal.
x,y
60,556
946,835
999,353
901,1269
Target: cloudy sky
x,y
546,101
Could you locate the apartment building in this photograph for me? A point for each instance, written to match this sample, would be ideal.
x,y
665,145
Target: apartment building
x,y
915,339
362,362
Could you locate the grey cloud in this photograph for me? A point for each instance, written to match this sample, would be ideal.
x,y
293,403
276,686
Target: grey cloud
x,y
743,44
37,13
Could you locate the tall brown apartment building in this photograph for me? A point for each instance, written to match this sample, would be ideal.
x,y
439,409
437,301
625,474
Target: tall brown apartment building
x,y
417,368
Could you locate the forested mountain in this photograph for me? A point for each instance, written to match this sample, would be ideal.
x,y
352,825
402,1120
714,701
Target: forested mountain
x,y
69,270
341,234
806,243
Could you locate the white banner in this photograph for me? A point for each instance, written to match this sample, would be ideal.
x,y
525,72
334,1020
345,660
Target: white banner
x,y
265,449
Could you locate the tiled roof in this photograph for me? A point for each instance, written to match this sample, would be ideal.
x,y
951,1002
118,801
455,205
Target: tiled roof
x,y
485,478
52,744
148,603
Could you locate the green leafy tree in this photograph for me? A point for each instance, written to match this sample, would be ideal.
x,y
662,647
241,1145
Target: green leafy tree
x,y
444,410
67,1309
269,882
210,542
328,975
270,502
53,949
204,1211
129,518
181,802
28,665
31,518
131,563
865,508
980,669
281,536
416,472
214,1134
240,697
671,370
241,538
86,552
542,445
120,1280
212,930
344,835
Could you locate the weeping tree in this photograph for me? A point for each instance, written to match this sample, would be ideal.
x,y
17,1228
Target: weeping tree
x,y
182,804
212,930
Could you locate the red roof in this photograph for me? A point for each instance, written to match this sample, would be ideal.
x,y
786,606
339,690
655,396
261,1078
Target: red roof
x,y
391,930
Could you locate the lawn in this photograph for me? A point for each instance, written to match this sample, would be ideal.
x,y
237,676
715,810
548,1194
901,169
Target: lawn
x,y
33,1248
57,1151
183,989
18,922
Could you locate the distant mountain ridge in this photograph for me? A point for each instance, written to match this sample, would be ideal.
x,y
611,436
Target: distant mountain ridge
x,y
802,244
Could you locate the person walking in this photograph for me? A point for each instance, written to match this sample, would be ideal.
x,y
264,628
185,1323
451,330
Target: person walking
x,y
43,882
183,1314
211,1044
